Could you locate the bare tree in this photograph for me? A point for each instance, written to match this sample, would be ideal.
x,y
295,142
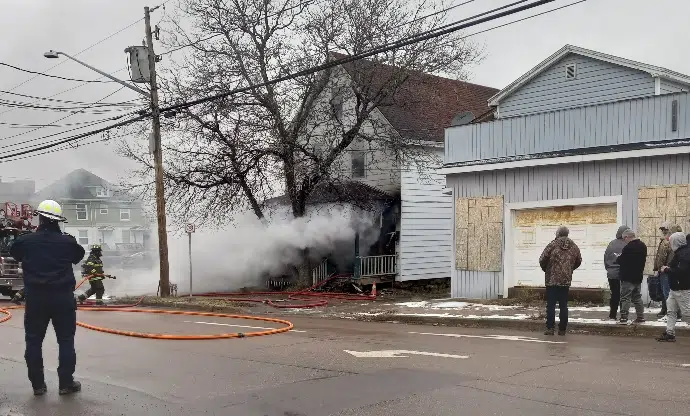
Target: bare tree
x,y
289,138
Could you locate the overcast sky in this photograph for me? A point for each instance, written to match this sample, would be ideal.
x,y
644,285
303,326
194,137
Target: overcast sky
x,y
654,32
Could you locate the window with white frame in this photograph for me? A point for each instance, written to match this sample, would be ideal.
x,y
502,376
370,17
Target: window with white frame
x,y
101,192
83,237
124,214
104,209
126,236
82,212
358,164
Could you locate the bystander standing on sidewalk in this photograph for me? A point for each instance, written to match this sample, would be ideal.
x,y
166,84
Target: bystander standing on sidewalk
x,y
612,252
679,280
558,260
632,261
661,259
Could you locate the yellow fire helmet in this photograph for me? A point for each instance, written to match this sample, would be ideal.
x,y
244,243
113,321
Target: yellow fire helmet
x,y
50,209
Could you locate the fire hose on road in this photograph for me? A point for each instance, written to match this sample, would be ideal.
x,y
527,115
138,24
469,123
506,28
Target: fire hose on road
x,y
123,308
310,298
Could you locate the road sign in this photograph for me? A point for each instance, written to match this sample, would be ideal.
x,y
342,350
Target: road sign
x,y
189,228
399,354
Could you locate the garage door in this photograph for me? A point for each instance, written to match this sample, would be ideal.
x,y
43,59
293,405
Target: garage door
x,y
591,227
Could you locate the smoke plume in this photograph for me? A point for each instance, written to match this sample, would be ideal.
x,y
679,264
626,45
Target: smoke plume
x,y
248,253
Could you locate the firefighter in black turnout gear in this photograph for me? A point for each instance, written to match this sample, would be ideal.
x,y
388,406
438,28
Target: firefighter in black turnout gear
x,y
47,256
93,268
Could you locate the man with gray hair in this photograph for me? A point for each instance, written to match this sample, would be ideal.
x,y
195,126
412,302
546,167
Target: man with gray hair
x,y
632,260
558,261
679,280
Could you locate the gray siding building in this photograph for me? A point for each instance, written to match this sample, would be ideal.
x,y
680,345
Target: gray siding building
x,y
584,139
98,212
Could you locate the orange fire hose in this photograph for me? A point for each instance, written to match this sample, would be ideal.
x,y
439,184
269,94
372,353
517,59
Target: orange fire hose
x,y
288,325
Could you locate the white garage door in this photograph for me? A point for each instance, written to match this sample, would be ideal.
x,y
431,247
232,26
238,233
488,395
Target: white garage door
x,y
591,228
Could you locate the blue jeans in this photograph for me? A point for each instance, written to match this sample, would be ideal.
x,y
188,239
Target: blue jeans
x,y
665,286
41,308
557,294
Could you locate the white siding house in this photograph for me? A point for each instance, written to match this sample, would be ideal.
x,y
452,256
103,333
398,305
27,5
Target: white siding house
x,y
426,224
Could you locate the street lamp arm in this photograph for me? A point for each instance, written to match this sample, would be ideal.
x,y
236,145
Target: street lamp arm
x,y
54,54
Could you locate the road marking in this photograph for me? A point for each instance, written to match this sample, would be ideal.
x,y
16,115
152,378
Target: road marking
x,y
498,337
662,363
399,354
235,326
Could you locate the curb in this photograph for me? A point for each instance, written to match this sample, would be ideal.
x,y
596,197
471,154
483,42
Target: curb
x,y
188,307
527,325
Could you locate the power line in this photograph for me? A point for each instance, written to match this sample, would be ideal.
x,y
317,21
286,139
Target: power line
x,y
81,123
446,29
123,103
97,109
58,120
51,76
432,34
64,91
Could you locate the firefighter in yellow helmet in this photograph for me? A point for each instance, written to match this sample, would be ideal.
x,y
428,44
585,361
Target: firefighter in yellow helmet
x,y
47,256
93,269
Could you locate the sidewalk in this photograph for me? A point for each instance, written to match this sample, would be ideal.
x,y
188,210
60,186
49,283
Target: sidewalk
x,y
449,312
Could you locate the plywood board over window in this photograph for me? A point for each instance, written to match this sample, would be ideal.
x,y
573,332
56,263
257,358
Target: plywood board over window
x,y
478,233
657,204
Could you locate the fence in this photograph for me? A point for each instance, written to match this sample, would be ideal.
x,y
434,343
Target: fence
x,y
320,272
378,265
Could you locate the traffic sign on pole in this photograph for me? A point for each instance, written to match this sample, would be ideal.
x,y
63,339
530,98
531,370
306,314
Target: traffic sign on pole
x,y
189,228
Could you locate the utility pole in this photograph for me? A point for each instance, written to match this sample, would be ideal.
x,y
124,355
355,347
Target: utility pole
x,y
164,281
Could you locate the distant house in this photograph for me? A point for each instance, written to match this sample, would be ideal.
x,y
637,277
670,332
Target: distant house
x,y
98,212
584,139
415,215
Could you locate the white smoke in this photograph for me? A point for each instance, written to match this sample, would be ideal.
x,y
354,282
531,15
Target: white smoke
x,y
250,251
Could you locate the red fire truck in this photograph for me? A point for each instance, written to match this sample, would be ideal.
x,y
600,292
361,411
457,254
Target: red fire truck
x,y
14,221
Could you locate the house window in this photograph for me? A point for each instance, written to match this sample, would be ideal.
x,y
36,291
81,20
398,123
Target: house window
x,y
83,237
101,192
126,236
358,164
124,215
337,106
82,212
104,209
570,71
674,115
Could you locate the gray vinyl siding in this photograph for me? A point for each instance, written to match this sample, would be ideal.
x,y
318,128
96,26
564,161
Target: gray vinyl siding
x,y
596,82
625,122
581,180
670,87
95,218
426,224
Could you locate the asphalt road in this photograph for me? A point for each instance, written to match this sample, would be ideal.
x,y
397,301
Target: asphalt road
x,y
343,367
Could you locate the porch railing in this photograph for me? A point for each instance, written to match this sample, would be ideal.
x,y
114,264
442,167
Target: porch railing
x,y
378,265
320,272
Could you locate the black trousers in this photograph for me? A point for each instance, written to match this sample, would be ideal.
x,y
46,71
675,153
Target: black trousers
x,y
614,303
97,288
557,294
40,309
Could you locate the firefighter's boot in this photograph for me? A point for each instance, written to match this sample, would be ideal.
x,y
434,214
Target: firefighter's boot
x,y
17,299
74,387
81,298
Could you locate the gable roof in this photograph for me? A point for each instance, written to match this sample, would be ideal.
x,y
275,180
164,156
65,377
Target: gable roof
x,y
654,71
424,105
74,185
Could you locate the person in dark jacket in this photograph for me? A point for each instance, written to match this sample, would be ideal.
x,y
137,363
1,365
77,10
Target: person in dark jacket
x,y
47,257
679,280
663,253
632,261
558,261
612,252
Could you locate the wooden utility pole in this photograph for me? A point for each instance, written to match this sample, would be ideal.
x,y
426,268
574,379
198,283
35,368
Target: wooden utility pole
x,y
164,281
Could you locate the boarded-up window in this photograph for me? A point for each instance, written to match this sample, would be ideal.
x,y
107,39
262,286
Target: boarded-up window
x,y
478,233
659,204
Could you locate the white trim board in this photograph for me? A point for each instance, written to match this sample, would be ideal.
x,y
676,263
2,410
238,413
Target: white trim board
x,y
560,160
508,216
654,71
